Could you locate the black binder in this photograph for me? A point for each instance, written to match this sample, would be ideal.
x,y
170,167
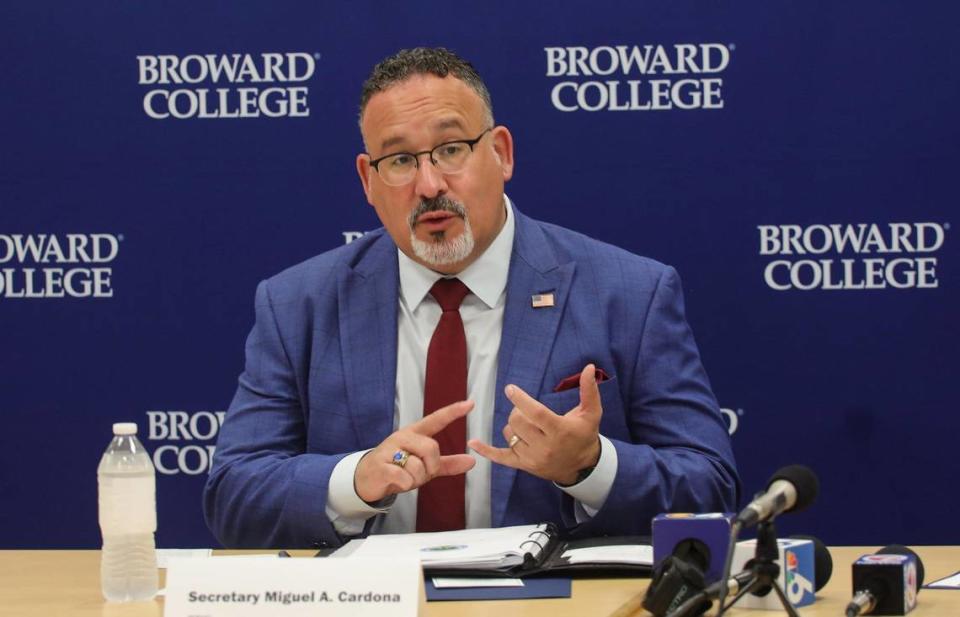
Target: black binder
x,y
545,558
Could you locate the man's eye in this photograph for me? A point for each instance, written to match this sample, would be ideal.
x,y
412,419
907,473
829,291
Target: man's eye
x,y
401,160
451,150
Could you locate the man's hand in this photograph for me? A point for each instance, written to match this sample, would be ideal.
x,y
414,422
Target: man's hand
x,y
377,476
551,446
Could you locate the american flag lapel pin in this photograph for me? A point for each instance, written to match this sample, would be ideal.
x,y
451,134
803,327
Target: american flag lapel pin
x,y
541,300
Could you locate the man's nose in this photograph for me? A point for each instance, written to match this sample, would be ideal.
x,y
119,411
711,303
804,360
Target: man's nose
x,y
430,181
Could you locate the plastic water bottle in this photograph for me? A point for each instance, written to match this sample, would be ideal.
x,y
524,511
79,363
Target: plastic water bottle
x,y
128,518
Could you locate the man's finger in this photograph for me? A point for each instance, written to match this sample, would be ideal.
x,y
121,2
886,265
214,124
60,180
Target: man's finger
x,y
456,464
425,448
501,456
521,425
535,411
589,391
396,479
417,470
435,422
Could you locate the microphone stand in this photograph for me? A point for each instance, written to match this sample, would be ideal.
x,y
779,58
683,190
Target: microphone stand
x,y
765,569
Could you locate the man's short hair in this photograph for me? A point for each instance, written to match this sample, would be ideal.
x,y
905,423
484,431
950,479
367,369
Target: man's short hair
x,y
423,61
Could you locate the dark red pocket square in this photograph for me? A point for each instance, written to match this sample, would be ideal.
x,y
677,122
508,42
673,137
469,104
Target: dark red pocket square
x,y
573,381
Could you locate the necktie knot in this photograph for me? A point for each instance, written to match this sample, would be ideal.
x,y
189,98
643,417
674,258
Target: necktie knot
x,y
449,293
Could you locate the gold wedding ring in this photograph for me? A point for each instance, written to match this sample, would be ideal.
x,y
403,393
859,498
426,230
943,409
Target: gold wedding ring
x,y
400,458
514,441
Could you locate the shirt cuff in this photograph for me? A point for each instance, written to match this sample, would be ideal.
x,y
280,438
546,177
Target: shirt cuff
x,y
591,492
345,509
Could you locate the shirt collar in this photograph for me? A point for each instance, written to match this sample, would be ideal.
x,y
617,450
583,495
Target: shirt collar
x,y
486,277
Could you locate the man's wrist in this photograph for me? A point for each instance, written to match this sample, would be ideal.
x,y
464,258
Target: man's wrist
x,y
584,472
342,497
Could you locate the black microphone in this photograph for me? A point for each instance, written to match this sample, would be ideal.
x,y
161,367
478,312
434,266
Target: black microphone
x,y
701,602
677,578
887,582
792,488
822,561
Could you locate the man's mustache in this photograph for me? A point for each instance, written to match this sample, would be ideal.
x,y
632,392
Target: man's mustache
x,y
437,204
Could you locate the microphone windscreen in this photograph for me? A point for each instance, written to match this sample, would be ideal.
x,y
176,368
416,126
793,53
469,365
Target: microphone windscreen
x,y
804,480
822,561
693,551
899,549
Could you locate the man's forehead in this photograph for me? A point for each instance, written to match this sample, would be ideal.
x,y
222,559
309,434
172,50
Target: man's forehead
x,y
420,104
400,137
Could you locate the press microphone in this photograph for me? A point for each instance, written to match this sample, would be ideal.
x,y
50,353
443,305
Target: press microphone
x,y
792,488
688,553
886,583
699,603
823,569
822,561
804,567
675,580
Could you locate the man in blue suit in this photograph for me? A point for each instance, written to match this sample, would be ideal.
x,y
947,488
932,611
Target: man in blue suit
x,y
584,399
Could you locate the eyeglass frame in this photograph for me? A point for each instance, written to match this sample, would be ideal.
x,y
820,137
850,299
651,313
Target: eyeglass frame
x,y
471,143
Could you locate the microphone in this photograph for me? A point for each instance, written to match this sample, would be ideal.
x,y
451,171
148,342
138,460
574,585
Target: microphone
x,y
688,553
699,603
675,580
886,583
823,569
673,532
804,566
822,561
792,488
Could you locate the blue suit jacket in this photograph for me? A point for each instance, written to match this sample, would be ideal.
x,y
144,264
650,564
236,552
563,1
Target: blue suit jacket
x,y
320,375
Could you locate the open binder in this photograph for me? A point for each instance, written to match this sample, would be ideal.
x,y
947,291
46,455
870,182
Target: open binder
x,y
521,551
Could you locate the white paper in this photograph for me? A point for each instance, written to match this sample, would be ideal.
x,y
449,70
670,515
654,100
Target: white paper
x,y
501,547
949,582
295,587
251,556
640,554
165,554
457,583
348,549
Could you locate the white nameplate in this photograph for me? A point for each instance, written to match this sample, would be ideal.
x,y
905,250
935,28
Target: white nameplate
x,y
234,586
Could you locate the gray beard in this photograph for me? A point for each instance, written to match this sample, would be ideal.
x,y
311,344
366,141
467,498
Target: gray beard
x,y
439,251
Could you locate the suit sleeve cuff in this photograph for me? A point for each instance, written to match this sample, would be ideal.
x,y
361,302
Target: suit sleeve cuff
x,y
346,510
591,492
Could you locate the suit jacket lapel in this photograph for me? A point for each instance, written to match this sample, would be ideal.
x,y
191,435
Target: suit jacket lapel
x,y
368,295
527,338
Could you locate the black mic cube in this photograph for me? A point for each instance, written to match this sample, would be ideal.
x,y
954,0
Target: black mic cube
x,y
892,579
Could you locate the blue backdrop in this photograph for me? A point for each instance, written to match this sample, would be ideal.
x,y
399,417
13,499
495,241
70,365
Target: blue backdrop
x,y
796,162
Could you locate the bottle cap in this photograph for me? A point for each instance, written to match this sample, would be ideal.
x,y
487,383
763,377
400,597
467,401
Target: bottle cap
x,y
124,428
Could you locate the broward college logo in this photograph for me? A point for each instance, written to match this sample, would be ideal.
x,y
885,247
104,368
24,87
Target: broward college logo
x,y
638,78
202,86
52,266
176,427
859,256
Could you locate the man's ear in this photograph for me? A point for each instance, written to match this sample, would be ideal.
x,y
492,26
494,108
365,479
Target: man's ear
x,y
364,170
503,150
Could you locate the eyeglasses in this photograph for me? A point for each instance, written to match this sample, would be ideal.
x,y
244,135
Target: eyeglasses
x,y
449,157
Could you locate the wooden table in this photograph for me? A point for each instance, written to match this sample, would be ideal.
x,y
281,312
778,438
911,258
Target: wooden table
x,y
53,583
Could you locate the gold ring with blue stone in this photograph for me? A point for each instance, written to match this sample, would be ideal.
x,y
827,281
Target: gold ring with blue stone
x,y
400,458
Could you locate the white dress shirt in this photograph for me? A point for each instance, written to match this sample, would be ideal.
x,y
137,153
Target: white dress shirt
x,y
482,315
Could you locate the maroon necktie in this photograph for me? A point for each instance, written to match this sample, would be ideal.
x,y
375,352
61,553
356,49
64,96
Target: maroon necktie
x,y
440,502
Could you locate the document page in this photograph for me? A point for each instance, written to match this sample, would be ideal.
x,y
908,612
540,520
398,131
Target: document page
x,y
638,554
466,548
